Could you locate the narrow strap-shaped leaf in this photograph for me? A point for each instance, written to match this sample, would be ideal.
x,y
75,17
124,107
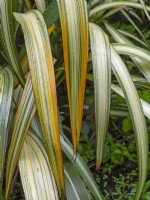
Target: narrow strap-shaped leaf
x,y
144,8
132,23
74,23
6,88
137,116
7,38
43,82
23,117
102,79
133,51
81,167
111,12
36,175
78,162
116,4
51,14
145,105
75,187
35,125
143,65
134,14
132,36
40,5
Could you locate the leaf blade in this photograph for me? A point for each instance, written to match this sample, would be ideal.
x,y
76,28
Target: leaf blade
x,y
44,88
102,78
36,175
137,116
6,88
74,19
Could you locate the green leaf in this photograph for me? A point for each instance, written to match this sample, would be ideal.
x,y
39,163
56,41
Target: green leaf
x,y
23,117
74,23
44,88
6,88
127,125
51,14
102,78
75,187
81,167
36,175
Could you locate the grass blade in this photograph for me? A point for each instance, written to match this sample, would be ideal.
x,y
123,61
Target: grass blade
x,y
137,117
74,23
102,78
36,175
6,88
43,83
23,117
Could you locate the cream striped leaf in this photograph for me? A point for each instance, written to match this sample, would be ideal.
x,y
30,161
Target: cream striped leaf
x,y
74,23
100,50
75,187
116,4
44,88
6,89
143,65
23,117
137,117
36,175
82,168
145,105
40,5
7,38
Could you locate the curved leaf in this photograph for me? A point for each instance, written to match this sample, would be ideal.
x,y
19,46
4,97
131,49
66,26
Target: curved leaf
x,y
137,116
145,105
43,83
143,65
116,4
7,38
6,88
40,5
74,23
23,117
132,36
132,50
36,175
75,188
81,167
132,23
102,78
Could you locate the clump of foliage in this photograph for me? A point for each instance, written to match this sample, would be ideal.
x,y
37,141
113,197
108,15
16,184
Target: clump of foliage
x,y
74,93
